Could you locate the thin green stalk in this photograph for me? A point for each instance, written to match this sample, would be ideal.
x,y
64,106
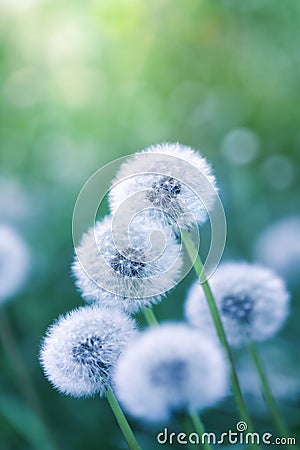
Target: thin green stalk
x,y
122,421
267,392
200,429
186,425
150,317
198,267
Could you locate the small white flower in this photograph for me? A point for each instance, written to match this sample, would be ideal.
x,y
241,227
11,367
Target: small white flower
x,y
81,349
253,303
14,262
173,181
278,247
127,265
167,369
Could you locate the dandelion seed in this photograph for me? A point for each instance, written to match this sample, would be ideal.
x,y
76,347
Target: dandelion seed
x,y
167,369
81,349
278,247
175,182
125,267
253,303
14,262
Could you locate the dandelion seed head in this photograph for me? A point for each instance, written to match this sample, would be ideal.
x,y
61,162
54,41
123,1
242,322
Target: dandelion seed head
x,y
127,265
240,146
176,182
164,192
14,262
253,303
81,349
167,369
130,263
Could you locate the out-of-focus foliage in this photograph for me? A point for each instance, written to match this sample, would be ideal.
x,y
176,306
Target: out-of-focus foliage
x,y
83,83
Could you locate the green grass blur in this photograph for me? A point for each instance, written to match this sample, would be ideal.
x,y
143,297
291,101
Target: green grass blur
x,y
85,82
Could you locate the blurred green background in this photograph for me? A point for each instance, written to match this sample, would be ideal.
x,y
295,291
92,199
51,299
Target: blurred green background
x,y
83,83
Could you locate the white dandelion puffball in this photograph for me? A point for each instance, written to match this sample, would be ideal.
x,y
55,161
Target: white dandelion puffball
x,y
278,247
240,146
14,262
174,182
81,349
252,301
130,266
168,369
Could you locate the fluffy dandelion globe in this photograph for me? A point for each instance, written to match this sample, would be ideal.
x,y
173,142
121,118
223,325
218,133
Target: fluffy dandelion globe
x,y
174,182
14,263
130,266
168,369
253,303
81,349
278,247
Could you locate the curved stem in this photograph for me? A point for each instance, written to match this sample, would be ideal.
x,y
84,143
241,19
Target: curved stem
x,y
198,267
267,391
122,421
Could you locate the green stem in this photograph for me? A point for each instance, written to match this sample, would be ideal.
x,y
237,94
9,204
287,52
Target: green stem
x,y
200,429
150,317
23,377
187,426
196,421
122,421
198,267
9,344
267,391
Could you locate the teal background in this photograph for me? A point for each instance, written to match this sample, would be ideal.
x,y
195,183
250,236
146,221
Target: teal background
x,y
83,83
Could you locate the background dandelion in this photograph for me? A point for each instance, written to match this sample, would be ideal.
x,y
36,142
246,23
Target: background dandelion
x,y
278,247
175,183
253,304
81,86
170,369
80,350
